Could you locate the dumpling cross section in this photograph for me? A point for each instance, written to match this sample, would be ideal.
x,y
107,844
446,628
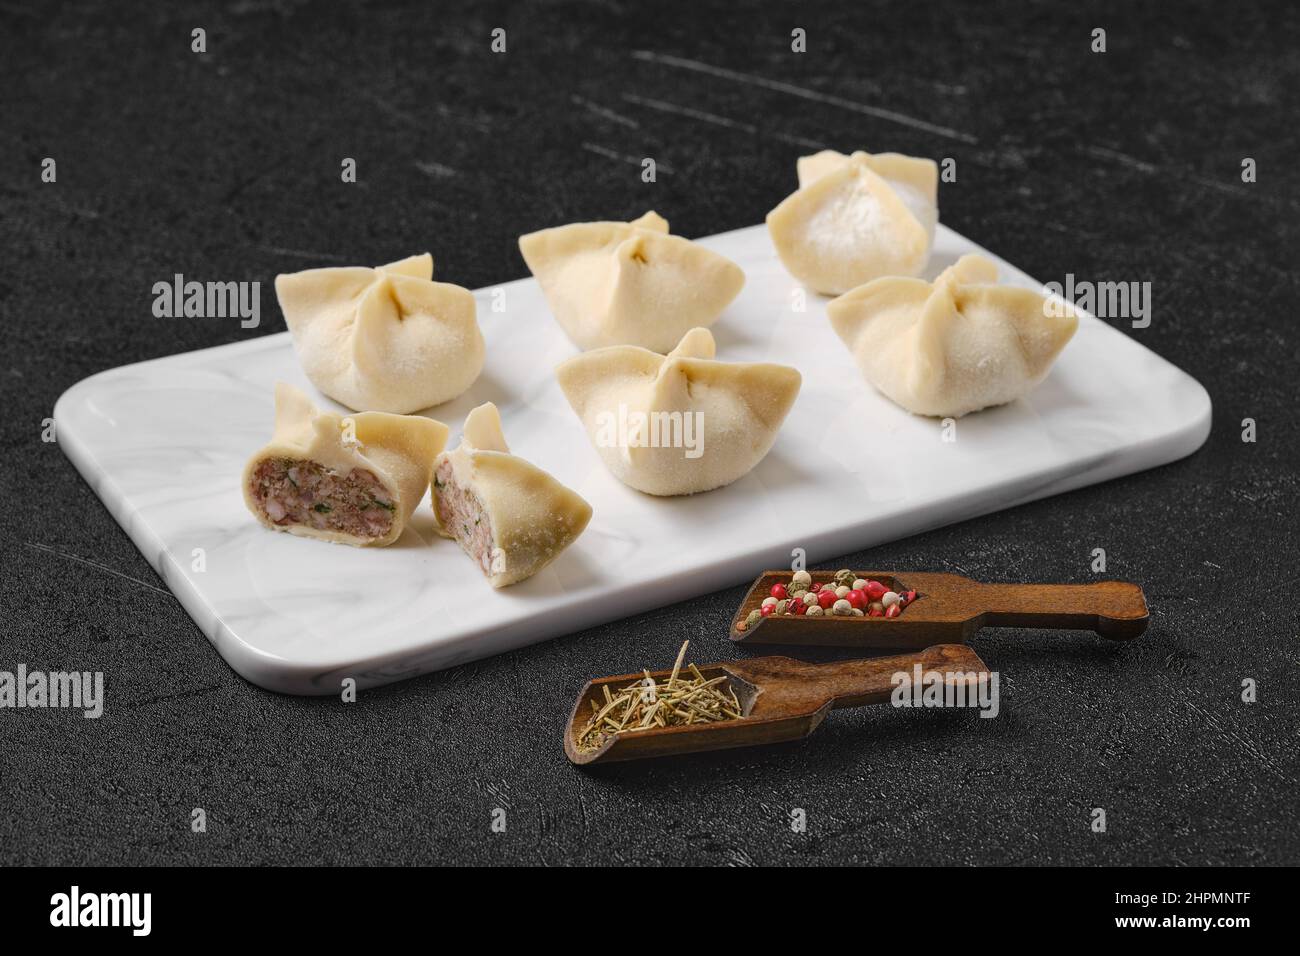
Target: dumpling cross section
x,y
349,480
507,514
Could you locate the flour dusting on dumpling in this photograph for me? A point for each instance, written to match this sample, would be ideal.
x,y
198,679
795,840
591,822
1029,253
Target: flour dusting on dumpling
x,y
680,423
856,218
385,339
629,283
953,346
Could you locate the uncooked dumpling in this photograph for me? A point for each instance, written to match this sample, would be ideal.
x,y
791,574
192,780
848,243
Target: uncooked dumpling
x,y
629,283
680,423
511,517
856,218
386,339
350,480
953,346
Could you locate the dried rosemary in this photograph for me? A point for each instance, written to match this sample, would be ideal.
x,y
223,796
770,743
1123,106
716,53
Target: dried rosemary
x,y
686,697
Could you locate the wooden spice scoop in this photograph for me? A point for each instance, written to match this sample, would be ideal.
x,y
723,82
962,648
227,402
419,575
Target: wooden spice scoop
x,y
949,608
780,699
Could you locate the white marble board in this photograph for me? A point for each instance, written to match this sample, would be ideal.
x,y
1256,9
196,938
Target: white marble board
x,y
163,443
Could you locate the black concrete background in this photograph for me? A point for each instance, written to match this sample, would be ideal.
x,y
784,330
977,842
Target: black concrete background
x,y
1122,166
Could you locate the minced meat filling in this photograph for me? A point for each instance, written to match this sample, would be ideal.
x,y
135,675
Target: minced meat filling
x,y
297,492
462,515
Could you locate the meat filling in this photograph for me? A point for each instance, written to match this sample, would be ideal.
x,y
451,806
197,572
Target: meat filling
x,y
462,515
292,491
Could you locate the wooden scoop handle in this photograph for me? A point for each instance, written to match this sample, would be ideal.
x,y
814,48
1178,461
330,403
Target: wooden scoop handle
x,y
1114,609
794,687
858,683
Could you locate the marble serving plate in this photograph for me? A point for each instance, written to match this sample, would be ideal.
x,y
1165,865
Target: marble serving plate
x,y
163,443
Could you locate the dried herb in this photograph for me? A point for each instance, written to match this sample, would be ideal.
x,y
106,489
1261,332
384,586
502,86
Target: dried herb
x,y
678,701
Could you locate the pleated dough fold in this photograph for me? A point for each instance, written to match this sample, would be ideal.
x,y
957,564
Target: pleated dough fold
x,y
953,346
680,423
629,283
384,339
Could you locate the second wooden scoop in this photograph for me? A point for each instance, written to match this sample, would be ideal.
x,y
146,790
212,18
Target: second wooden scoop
x,y
949,607
780,699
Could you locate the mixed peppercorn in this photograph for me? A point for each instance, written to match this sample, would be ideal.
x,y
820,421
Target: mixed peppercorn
x,y
847,595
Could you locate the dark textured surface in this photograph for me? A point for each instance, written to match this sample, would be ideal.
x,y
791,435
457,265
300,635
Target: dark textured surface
x,y
1120,166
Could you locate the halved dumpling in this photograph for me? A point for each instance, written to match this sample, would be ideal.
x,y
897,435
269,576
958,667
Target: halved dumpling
x,y
353,480
629,283
507,514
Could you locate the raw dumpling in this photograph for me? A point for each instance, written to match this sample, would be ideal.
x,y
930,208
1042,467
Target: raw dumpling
x,y
680,423
353,480
857,218
629,283
953,346
511,517
386,339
